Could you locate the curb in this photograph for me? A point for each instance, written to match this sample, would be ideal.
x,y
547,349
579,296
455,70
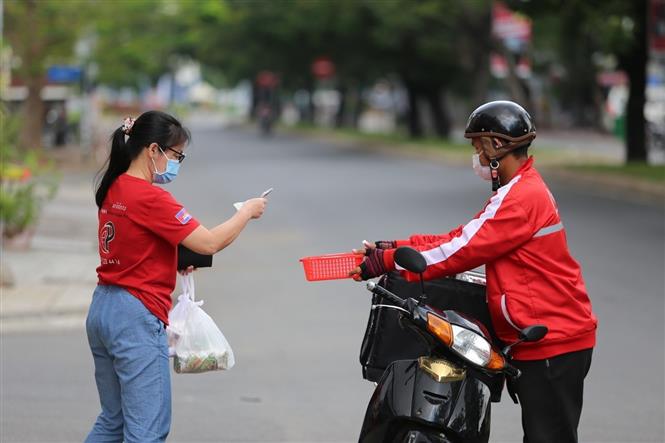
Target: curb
x,y
46,321
621,187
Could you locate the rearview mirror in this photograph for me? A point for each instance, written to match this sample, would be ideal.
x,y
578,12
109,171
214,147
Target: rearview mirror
x,y
533,333
410,259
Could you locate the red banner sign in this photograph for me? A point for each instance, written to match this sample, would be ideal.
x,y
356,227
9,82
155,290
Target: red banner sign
x,y
323,68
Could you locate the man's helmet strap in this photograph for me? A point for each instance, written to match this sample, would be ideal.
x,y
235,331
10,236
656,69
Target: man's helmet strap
x,y
494,169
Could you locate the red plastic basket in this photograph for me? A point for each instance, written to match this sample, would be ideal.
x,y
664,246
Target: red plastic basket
x,y
331,266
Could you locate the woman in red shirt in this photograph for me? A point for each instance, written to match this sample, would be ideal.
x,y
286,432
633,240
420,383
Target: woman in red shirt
x,y
140,226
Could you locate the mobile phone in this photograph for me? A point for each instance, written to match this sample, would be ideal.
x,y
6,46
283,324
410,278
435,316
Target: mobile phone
x,y
266,192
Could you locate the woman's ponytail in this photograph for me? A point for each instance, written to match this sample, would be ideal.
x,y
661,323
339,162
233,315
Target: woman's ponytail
x,y
118,163
150,127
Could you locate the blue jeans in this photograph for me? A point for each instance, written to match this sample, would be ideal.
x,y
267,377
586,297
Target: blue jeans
x,y
130,351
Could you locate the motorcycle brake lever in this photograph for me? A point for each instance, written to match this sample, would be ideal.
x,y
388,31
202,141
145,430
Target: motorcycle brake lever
x,y
512,371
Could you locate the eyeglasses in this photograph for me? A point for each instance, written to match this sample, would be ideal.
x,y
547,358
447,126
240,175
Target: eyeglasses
x,y
179,156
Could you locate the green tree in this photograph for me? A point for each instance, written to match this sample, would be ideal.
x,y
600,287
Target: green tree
x,y
418,41
587,27
242,39
437,48
629,43
41,33
136,41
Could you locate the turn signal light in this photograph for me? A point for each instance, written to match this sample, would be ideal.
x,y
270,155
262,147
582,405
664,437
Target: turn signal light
x,y
440,328
497,362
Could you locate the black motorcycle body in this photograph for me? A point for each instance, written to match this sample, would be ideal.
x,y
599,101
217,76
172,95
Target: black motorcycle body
x,y
409,405
434,398
444,393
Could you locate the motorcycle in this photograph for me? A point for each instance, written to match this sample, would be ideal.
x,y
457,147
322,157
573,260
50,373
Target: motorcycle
x,y
443,395
265,117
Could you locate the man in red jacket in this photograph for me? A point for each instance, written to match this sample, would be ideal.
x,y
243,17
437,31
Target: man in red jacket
x,y
531,276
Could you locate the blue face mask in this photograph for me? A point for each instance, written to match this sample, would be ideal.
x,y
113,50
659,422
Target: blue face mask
x,y
172,167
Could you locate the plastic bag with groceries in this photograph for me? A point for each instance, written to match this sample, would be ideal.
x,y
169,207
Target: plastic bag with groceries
x,y
195,342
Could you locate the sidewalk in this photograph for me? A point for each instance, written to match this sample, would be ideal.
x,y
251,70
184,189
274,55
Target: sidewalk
x,y
53,281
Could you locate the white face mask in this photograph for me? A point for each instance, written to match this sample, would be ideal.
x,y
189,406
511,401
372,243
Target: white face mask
x,y
481,171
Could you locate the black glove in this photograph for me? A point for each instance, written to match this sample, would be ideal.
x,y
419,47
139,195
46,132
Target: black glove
x,y
385,244
373,265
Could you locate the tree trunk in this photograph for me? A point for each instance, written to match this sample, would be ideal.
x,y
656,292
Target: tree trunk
x,y
481,26
635,65
580,86
254,103
439,113
414,120
356,106
311,107
343,105
32,73
482,81
30,136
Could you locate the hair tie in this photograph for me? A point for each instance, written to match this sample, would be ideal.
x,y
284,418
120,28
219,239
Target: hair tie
x,y
127,125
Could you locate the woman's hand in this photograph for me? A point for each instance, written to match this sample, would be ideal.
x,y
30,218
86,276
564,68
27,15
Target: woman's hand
x,y
187,271
255,207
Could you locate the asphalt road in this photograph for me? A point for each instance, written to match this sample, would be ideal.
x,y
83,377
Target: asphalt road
x,y
296,343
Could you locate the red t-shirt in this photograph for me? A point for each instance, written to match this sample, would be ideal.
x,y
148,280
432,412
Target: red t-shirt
x,y
140,226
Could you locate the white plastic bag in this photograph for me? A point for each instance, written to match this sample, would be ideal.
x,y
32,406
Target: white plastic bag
x,y
195,341
178,315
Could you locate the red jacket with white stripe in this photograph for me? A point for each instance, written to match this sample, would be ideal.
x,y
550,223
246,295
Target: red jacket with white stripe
x,y
531,276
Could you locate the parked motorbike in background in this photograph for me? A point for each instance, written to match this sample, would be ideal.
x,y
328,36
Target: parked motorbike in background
x,y
265,118
443,395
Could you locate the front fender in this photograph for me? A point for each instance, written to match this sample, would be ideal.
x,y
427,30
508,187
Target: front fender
x,y
407,394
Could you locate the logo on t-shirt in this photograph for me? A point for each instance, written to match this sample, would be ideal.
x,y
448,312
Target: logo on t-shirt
x,y
106,235
183,216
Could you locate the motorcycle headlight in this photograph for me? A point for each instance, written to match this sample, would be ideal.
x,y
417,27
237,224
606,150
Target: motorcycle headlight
x,y
471,346
466,343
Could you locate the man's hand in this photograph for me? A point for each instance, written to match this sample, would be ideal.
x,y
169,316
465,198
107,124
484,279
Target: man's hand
x,y
372,266
367,246
379,244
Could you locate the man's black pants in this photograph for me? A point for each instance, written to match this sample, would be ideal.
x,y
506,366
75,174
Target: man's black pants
x,y
550,392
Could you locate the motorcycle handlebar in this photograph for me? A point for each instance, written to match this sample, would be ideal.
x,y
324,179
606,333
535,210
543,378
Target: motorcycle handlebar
x,y
376,289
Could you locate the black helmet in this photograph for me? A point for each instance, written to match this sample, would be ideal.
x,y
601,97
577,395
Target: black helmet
x,y
503,119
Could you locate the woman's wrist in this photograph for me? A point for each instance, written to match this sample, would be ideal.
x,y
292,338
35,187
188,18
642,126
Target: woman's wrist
x,y
244,214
